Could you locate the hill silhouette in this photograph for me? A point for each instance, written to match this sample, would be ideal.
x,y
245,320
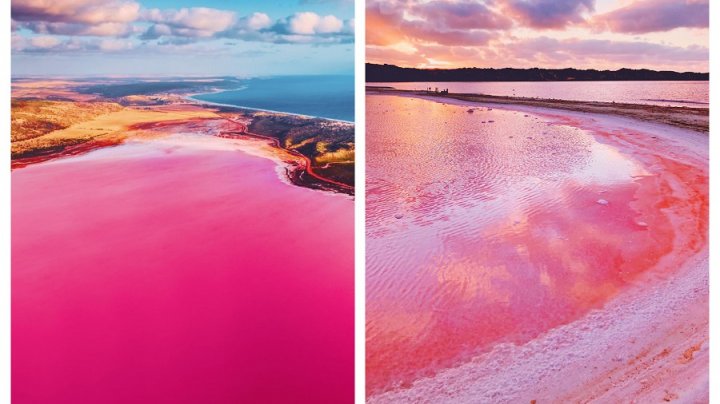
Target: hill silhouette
x,y
391,73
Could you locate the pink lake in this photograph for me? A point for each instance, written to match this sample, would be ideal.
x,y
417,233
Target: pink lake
x,y
181,271
489,226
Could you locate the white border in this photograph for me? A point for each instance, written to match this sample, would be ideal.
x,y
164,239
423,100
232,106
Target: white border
x,y
714,195
5,364
359,201
5,203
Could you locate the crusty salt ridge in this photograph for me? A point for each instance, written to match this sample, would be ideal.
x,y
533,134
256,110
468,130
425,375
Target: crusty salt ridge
x,y
649,344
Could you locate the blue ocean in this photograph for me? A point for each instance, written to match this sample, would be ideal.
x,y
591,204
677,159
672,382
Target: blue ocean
x,y
320,96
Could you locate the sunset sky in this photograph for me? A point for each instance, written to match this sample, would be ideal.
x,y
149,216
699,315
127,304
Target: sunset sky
x,y
182,37
599,34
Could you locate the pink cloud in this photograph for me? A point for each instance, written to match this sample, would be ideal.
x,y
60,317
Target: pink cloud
x,y
655,16
308,23
387,25
63,28
548,14
603,54
549,52
460,15
75,11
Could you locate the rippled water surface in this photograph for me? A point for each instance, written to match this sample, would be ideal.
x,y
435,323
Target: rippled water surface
x,y
493,225
675,93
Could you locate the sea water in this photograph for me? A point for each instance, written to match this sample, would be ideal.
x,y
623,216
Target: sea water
x,y
318,96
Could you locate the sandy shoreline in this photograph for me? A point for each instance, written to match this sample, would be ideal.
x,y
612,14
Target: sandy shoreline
x,y
192,99
648,344
696,119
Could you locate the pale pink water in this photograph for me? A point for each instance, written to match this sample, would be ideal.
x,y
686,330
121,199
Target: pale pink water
x,y
151,273
694,94
495,226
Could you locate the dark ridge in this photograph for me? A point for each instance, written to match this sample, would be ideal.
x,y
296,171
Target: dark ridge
x,y
391,73
122,88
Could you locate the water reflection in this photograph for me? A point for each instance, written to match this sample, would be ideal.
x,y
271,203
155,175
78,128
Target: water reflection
x,y
485,232
674,93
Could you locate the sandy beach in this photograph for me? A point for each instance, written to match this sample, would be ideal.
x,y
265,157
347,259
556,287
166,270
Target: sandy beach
x,y
649,341
696,119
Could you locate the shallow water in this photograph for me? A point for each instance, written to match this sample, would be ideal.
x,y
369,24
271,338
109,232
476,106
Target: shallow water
x,y
496,225
675,93
178,271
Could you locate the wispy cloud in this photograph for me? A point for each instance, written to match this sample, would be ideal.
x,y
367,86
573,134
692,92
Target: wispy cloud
x,y
53,44
655,16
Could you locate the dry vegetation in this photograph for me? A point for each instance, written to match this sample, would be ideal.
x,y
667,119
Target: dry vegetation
x,y
33,118
42,128
330,145
322,141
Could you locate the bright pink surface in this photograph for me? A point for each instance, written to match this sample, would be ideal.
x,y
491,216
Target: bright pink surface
x,y
150,275
495,226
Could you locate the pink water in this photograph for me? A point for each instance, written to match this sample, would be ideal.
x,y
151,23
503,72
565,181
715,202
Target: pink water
x,y
496,226
167,272
694,94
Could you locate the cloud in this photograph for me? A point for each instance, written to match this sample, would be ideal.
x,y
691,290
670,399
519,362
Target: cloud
x,y
75,11
302,27
547,52
646,16
124,19
75,17
388,24
114,45
204,23
383,24
460,15
61,28
257,21
44,42
592,53
452,37
548,14
156,31
52,44
201,22
533,33
308,23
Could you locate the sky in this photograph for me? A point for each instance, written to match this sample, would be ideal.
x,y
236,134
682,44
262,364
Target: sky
x,y
583,34
181,37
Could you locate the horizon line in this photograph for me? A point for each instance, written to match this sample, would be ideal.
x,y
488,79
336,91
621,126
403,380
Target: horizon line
x,y
531,68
